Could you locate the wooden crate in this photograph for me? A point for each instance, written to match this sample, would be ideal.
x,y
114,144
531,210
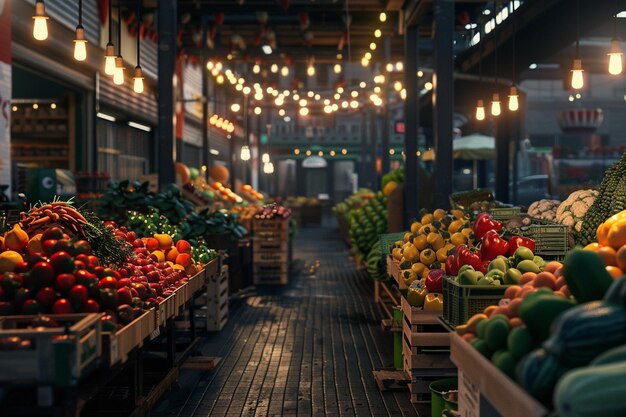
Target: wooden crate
x,y
196,283
58,356
167,309
217,301
274,225
119,344
271,256
271,235
393,270
264,245
425,347
478,377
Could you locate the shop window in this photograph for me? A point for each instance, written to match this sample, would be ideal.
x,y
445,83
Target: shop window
x,y
123,152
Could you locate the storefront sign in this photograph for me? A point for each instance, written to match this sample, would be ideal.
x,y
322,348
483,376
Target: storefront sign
x,y
5,92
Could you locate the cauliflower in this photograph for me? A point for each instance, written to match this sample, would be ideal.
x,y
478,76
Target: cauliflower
x,y
573,209
544,209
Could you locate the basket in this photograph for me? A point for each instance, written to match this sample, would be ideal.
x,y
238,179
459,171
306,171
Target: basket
x,y
462,200
460,302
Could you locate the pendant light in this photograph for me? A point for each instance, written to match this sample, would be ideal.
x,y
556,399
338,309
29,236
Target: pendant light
x,y
40,22
577,66
138,75
268,168
513,93
118,76
615,54
109,55
265,158
245,153
496,109
480,105
80,43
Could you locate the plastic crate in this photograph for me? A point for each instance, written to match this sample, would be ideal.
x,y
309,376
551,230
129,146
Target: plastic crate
x,y
57,355
505,213
462,200
387,240
460,302
551,239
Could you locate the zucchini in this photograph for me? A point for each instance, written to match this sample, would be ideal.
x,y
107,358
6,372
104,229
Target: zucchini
x,y
585,331
614,355
592,392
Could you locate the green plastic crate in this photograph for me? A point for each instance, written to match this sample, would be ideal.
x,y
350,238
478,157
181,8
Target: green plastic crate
x,y
387,240
504,213
460,302
551,239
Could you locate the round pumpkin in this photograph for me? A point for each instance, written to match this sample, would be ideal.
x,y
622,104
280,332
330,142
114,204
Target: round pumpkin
x,y
183,175
219,173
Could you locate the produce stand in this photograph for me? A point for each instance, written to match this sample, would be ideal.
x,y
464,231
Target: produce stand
x,y
480,382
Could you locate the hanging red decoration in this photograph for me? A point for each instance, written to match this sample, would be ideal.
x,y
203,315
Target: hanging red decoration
x,y
103,11
213,32
129,19
288,61
154,36
219,18
305,22
179,38
210,43
284,4
143,31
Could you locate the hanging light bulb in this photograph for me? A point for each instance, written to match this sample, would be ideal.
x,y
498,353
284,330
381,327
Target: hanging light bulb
x,y
40,24
513,98
284,71
310,71
274,68
109,59
256,68
480,110
577,74
382,16
377,33
337,68
268,168
265,158
138,80
496,110
118,76
245,153
615,58
80,44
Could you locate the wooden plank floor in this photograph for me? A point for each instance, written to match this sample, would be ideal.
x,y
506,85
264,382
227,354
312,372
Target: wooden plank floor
x,y
307,349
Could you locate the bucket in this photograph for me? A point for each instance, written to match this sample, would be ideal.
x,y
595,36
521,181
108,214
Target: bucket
x,y
451,400
437,388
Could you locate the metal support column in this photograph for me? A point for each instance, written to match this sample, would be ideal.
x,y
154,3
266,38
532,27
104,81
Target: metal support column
x,y
385,125
443,100
503,135
411,126
166,70
205,110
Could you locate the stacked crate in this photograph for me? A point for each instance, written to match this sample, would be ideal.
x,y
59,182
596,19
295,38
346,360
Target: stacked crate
x,y
426,350
270,249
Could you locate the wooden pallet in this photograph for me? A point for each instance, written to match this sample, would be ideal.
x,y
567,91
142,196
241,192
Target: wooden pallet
x,y
271,256
263,245
217,301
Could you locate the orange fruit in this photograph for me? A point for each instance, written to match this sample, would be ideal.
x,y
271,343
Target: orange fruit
x,y
172,254
602,234
620,256
191,270
152,244
614,271
184,259
183,246
616,236
8,260
165,241
592,246
608,255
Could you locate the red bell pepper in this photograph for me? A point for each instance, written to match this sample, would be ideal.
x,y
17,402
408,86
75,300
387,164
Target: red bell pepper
x,y
493,245
484,268
467,256
517,241
452,261
434,280
485,223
